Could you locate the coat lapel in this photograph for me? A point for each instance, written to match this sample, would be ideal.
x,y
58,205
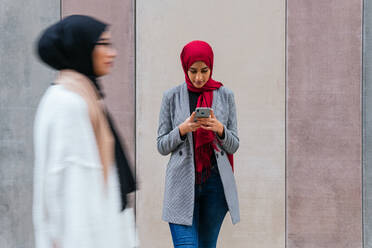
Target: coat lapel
x,y
185,108
185,102
214,101
215,105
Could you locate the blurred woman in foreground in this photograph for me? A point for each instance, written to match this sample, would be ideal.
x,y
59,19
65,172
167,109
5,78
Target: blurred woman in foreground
x,y
81,174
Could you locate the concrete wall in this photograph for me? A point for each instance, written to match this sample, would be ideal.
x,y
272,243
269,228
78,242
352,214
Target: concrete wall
x,y
22,81
323,121
249,44
324,124
367,123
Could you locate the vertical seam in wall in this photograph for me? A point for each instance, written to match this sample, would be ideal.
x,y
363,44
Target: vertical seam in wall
x,y
135,102
60,9
363,112
285,119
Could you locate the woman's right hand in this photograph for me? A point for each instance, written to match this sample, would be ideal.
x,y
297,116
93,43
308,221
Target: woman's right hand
x,y
189,125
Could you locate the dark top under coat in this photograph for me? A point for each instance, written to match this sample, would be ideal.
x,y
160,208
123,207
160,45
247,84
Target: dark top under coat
x,y
193,101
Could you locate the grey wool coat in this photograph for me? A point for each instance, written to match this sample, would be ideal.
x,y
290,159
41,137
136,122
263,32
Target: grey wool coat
x,y
178,206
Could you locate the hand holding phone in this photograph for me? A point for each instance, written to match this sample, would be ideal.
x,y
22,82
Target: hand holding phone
x,y
211,123
202,112
189,125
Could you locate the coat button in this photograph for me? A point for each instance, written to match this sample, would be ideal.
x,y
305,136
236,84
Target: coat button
x,y
222,153
216,155
180,153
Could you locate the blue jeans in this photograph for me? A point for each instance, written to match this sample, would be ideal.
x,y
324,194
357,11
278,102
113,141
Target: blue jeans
x,y
209,212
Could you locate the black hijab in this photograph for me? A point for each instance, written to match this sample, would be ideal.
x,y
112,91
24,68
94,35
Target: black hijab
x,y
69,44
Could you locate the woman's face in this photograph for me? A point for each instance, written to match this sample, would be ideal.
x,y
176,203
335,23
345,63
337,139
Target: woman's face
x,y
199,74
103,55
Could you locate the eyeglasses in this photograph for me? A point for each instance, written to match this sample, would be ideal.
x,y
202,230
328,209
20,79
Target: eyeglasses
x,y
106,44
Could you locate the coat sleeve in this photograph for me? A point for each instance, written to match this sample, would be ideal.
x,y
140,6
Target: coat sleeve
x,y
71,177
230,141
169,138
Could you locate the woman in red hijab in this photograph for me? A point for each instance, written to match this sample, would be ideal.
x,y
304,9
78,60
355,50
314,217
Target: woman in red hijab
x,y
200,186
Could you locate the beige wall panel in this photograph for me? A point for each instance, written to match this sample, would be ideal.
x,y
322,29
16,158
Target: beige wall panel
x,y
248,38
324,136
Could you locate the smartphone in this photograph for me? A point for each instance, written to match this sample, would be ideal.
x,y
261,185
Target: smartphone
x,y
202,112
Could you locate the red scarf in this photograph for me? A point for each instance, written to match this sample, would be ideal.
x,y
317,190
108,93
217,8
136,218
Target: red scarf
x,y
204,141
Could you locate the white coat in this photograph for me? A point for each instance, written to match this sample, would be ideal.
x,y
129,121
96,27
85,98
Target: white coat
x,y
73,207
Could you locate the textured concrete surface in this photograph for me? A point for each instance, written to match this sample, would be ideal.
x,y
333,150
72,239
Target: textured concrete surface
x,y
324,124
119,86
367,123
249,43
22,81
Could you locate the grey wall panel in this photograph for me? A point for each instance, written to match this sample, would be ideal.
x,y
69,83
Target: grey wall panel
x,y
22,82
324,123
248,38
367,123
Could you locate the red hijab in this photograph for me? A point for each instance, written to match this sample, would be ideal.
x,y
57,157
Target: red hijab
x,y
204,140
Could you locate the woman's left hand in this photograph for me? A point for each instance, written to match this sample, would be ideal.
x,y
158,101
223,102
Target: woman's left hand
x,y
211,124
